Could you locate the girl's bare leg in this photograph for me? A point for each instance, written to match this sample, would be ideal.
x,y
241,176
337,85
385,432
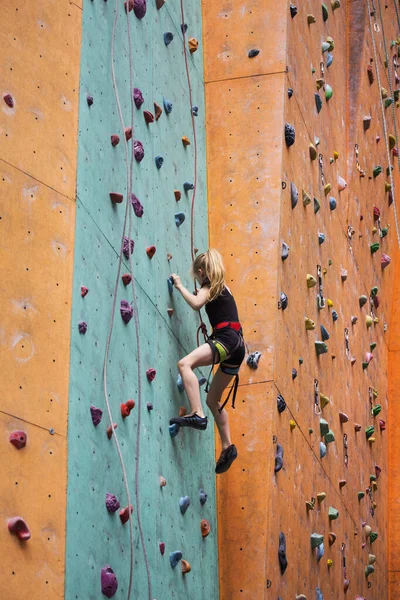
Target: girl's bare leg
x,y
218,385
200,357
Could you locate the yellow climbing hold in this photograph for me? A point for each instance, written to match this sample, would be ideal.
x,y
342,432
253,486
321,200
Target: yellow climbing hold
x,y
320,83
374,486
313,152
324,270
309,323
306,198
368,321
321,497
374,230
324,400
329,562
335,154
335,4
329,302
375,393
388,187
376,320
327,188
309,505
371,440
292,424
383,92
392,141
311,281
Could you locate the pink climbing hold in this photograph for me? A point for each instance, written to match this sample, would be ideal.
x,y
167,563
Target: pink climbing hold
x,y
128,133
137,97
97,415
17,526
124,514
342,185
116,198
109,582
126,278
148,117
385,261
382,424
112,503
378,471
139,8
150,251
137,206
114,140
9,100
18,439
162,548
150,374
126,311
368,357
138,150
84,291
110,430
128,247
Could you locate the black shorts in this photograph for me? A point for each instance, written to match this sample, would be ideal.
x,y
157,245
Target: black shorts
x,y
228,349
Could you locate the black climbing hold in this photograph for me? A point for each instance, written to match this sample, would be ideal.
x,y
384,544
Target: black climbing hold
x,y
195,111
89,100
280,401
203,497
293,10
334,316
285,251
82,327
187,186
294,374
318,102
290,135
283,301
168,37
324,334
184,28
290,92
294,194
278,458
253,52
282,553
253,359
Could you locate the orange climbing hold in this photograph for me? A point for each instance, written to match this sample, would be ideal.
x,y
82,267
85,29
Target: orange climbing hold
x,y
205,527
193,45
185,141
186,568
126,408
182,411
157,110
163,481
125,513
148,117
150,251
110,430
178,195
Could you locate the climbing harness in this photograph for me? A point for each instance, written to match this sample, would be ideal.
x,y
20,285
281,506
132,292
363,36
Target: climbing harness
x,y
317,406
320,296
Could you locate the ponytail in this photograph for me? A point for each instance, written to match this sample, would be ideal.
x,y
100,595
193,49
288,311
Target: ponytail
x,y
211,263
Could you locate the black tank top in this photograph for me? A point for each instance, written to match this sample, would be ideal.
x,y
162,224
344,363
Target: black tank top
x,y
223,308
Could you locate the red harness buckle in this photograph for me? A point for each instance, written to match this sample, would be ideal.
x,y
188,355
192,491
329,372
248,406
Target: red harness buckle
x,y
233,325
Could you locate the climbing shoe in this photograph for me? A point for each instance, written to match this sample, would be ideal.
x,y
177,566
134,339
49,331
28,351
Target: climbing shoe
x,y
193,421
226,459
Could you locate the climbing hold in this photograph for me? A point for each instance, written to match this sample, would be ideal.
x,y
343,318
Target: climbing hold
x,y
109,582
343,417
317,205
84,291
293,10
161,545
96,414
292,424
343,274
294,194
301,597
185,141
114,140
306,198
316,540
184,28
332,538
150,374
138,150
392,141
311,19
184,503
322,450
360,496
328,92
128,133
300,361
195,111
318,102
377,171
329,563
385,261
116,198
320,551
175,557
283,563
89,100
187,186
18,439
157,111
148,117
18,526
205,527
324,400
82,327
325,47
321,497
362,300
126,278
178,195
126,311
294,374
290,135
373,536
368,321
203,497
173,430
313,152
139,8
382,425
125,513
369,570
285,251
186,568
281,403
163,481
329,437
167,106
374,247
324,334
290,92
371,559
160,4
126,408
376,410
170,311
159,161
112,503
311,281
334,316
9,100
168,37
327,188
378,471
182,411
342,185
329,60
325,14
253,359
323,427
283,301
320,348
278,458
253,53
321,238
369,431
128,246
370,74
366,122
333,513
388,102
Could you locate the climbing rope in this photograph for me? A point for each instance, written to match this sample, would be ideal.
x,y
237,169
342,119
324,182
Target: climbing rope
x,y
372,29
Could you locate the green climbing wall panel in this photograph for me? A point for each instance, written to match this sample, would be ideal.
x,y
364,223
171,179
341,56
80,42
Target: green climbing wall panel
x,y
95,537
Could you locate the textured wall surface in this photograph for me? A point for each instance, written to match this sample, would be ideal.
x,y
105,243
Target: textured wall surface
x,y
96,538
248,165
39,68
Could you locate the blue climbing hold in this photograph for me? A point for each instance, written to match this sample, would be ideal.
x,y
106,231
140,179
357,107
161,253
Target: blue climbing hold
x,y
159,162
202,380
195,111
167,106
179,383
168,37
203,497
324,334
329,59
184,503
187,186
334,316
318,594
170,282
322,449
320,551
175,557
173,429
184,28
318,102
179,218
321,238
332,203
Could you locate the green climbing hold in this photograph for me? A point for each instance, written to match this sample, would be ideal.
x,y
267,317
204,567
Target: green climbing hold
x,y
369,570
360,495
323,427
374,247
388,102
321,348
374,291
377,171
325,13
373,536
372,477
369,431
310,430
372,346
316,540
329,437
384,231
376,410
328,92
362,300
301,361
317,205
333,513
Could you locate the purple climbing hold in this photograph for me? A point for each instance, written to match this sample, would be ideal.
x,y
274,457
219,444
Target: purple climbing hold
x,y
109,583
385,261
137,206
126,311
97,415
89,100
138,150
128,245
82,326
294,374
149,406
139,8
137,97
112,503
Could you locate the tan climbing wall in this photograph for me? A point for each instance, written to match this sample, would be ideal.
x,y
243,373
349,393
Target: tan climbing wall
x,y
40,45
250,215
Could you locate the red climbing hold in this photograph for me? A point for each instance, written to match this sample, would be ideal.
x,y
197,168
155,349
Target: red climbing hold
x,y
170,311
162,548
126,408
18,527
84,291
157,110
126,278
357,427
178,195
18,439
382,424
205,528
370,74
150,374
130,404
160,4
150,251
377,213
9,100
110,430
116,198
378,471
148,117
114,140
124,514
128,133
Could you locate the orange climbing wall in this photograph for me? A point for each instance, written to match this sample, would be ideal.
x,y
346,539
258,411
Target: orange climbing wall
x,y
250,216
40,45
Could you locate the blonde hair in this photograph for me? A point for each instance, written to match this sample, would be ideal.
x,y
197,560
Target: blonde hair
x,y
211,263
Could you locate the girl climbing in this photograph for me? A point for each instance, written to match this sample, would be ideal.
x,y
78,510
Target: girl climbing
x,y
224,346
